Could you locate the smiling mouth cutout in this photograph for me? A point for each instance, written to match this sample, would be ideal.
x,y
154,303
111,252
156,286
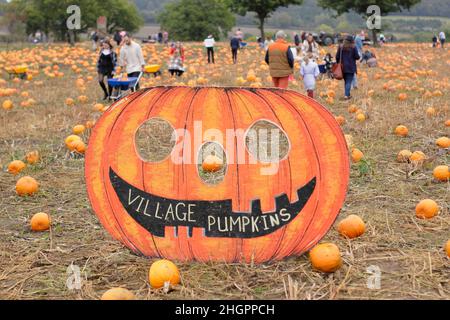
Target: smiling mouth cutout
x,y
216,218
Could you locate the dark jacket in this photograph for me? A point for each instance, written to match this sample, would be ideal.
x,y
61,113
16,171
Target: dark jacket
x,y
235,43
349,58
106,63
280,59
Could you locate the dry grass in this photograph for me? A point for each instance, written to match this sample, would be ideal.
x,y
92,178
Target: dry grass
x,y
408,251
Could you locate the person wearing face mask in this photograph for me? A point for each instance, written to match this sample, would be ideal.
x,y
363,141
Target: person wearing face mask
x,y
106,65
131,58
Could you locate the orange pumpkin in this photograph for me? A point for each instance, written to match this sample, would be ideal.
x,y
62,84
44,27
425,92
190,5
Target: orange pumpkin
x,y
40,222
16,166
175,220
404,156
357,155
78,129
69,141
360,117
418,157
162,272
26,186
443,142
7,105
212,163
351,227
441,173
431,112
427,209
325,257
32,157
401,131
118,294
69,102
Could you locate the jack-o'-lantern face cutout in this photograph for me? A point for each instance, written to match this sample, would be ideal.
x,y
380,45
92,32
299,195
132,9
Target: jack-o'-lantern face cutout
x,y
276,182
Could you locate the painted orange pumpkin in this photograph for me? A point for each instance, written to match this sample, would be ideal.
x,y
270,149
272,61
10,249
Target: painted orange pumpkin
x,y
261,210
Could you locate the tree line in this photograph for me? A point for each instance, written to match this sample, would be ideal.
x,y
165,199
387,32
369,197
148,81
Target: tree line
x,y
183,19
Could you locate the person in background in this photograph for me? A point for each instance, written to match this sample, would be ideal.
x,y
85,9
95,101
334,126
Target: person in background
x,y
297,39
176,64
280,60
260,42
117,37
267,43
328,65
160,37
435,40
94,38
310,46
348,56
369,58
165,37
239,34
131,58
382,39
359,38
106,64
442,39
209,45
303,36
235,44
309,70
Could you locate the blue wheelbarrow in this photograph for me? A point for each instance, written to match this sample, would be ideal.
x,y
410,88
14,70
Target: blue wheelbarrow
x,y
120,87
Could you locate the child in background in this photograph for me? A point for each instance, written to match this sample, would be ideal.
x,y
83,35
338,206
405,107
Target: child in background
x,y
328,65
309,71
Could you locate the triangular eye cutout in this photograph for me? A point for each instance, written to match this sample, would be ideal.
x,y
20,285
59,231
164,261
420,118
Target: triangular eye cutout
x,y
155,140
212,163
267,142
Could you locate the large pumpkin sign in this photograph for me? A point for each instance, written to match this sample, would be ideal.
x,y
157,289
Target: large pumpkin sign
x,y
262,208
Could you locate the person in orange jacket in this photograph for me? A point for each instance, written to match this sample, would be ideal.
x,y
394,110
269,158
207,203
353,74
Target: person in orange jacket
x,y
280,59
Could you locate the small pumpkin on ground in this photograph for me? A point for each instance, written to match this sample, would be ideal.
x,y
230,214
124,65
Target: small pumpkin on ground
x,y
401,131
404,156
427,209
32,157
352,227
16,166
357,155
325,257
441,173
40,222
118,294
162,272
443,142
27,186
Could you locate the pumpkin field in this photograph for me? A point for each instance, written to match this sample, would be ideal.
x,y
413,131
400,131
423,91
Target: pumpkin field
x,y
391,239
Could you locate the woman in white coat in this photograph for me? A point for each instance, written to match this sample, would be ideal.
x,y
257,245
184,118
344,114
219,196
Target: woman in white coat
x,y
309,70
310,46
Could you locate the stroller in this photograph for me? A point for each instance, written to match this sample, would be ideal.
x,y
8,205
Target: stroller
x,y
326,68
122,86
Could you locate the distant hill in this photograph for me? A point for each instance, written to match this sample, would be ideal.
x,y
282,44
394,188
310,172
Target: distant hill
x,y
308,14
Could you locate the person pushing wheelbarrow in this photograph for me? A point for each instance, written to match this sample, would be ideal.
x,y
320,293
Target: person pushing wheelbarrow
x,y
131,58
